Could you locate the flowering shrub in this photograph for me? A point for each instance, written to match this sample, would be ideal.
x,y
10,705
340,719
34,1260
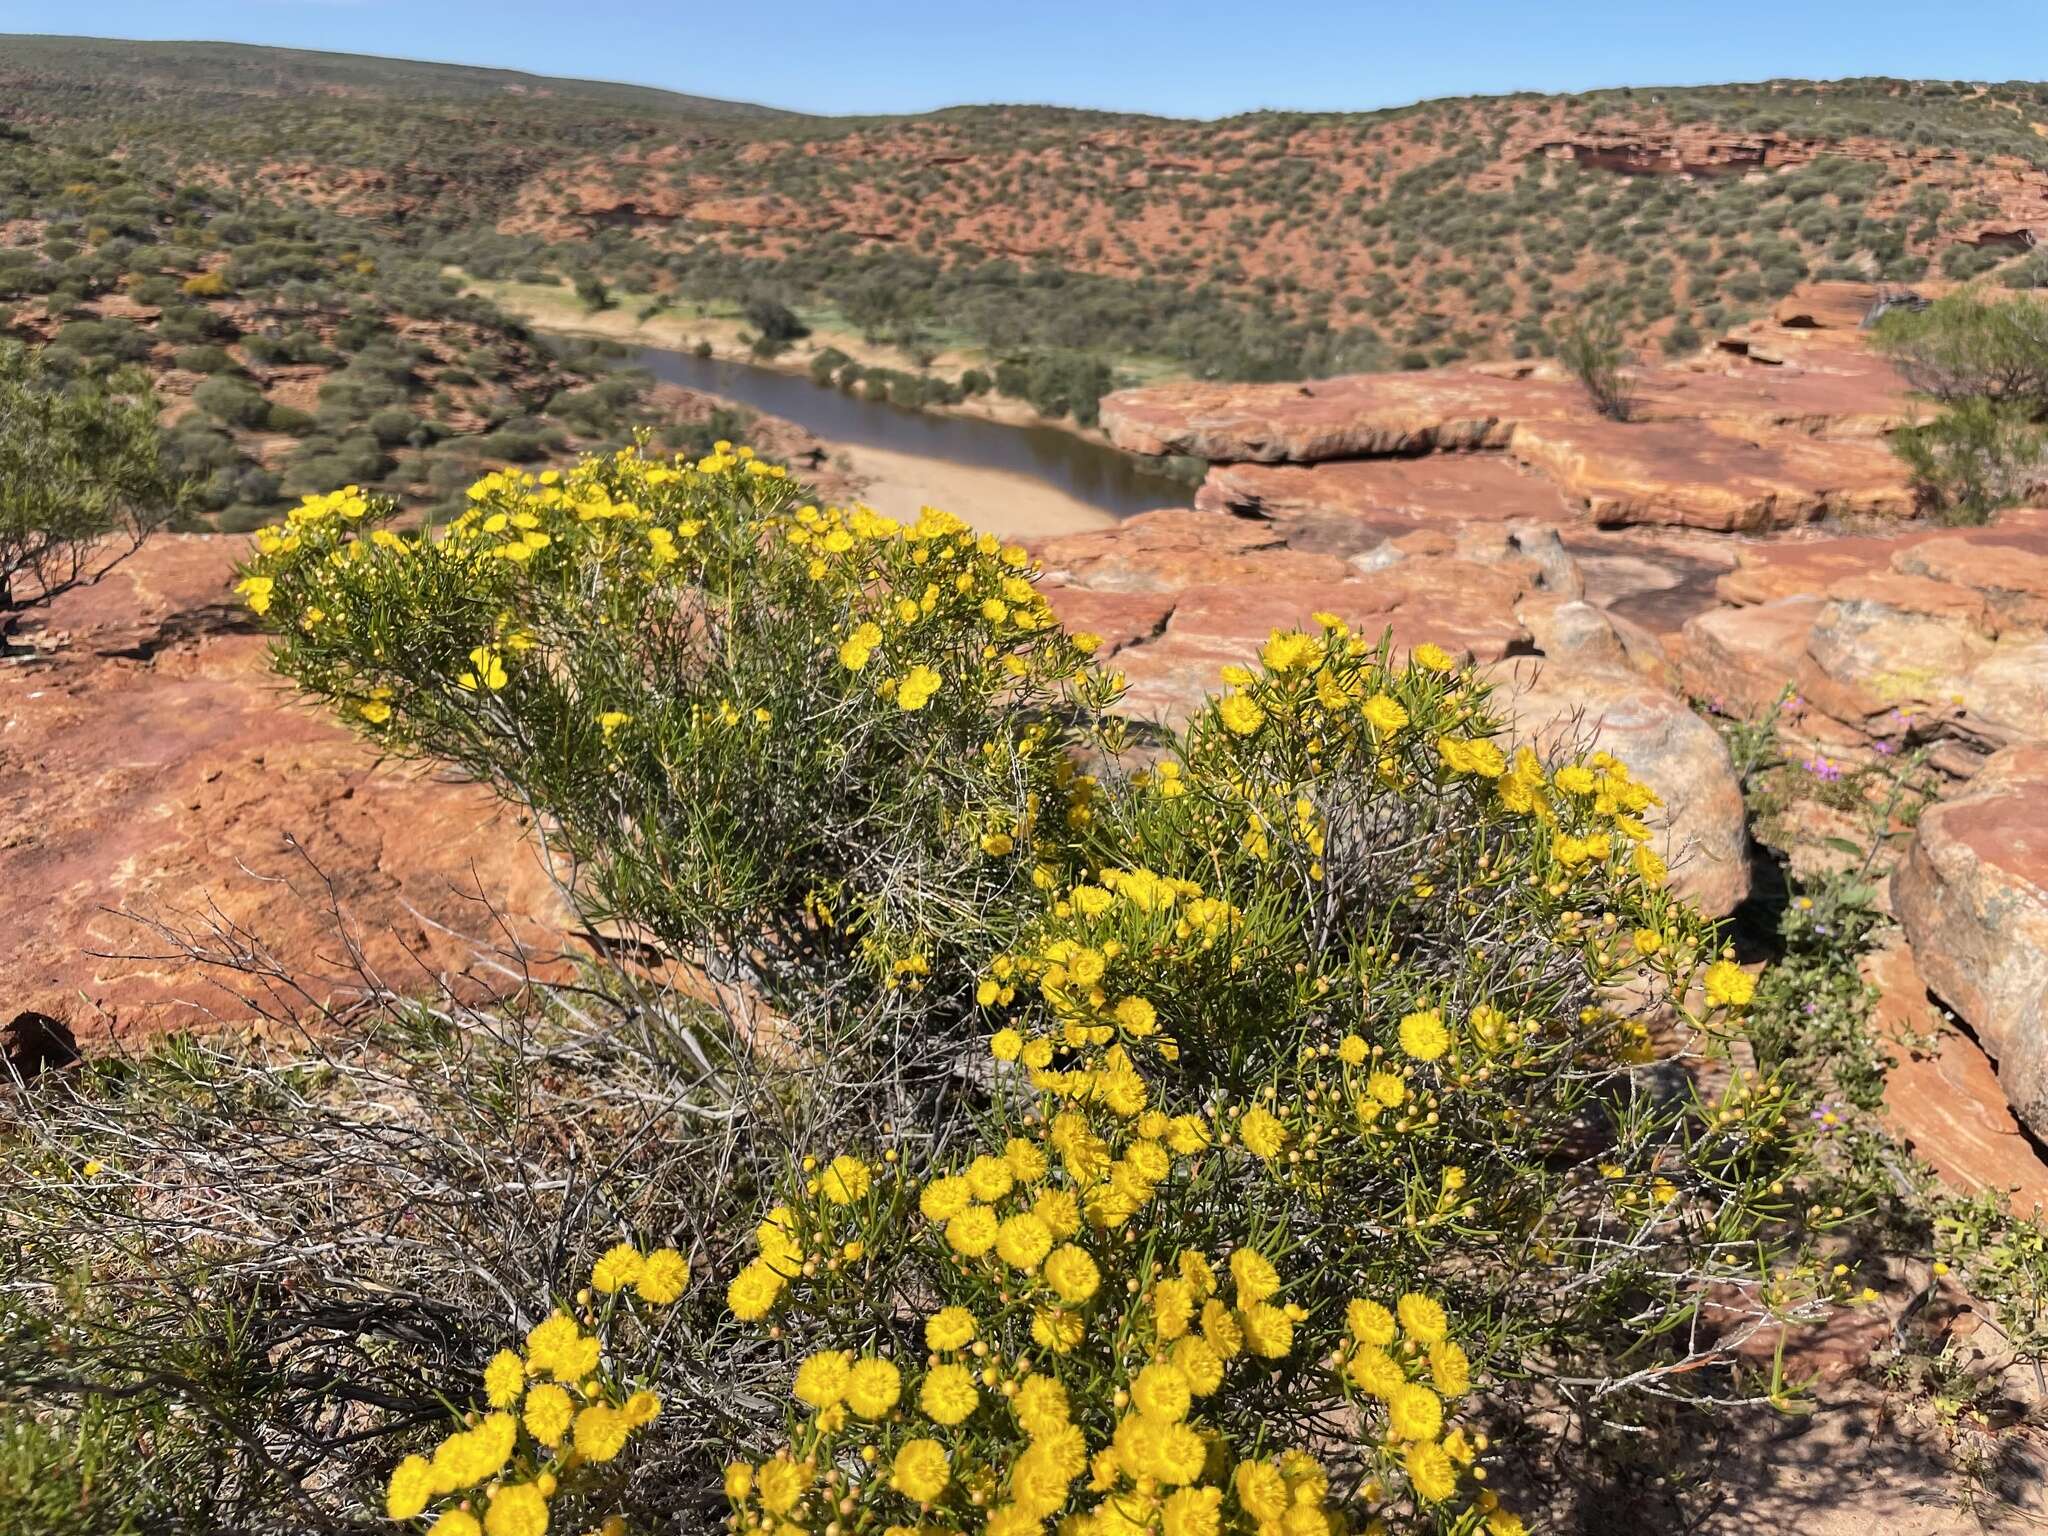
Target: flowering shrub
x,y
744,721
1253,1121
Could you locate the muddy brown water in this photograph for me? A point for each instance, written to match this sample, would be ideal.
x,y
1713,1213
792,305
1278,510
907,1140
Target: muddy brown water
x,y
1103,477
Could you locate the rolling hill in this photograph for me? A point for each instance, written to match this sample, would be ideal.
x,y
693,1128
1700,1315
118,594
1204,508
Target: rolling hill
x,y
1047,252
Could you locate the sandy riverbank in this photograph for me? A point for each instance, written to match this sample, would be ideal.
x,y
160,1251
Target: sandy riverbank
x,y
1012,506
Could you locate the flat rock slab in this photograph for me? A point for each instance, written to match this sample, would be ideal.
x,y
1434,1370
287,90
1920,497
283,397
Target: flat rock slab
x,y
1739,661
1830,305
2007,567
1893,649
1977,557
1972,897
1767,570
1353,416
1175,548
1351,504
1689,474
1831,388
152,764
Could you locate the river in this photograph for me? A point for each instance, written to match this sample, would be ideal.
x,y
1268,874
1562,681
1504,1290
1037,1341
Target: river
x,y
1025,479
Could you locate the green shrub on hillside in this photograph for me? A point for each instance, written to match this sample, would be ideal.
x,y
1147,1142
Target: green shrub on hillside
x,y
1965,346
83,481
1986,360
1975,457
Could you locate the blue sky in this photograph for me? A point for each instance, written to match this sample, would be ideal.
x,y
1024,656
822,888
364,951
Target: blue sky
x,y
1197,58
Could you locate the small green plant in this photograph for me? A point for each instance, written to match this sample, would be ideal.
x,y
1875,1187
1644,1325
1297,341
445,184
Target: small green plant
x,y
1966,346
82,480
1978,455
1592,349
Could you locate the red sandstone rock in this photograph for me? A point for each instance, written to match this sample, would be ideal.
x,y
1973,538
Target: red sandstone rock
x,y
1572,633
1692,475
1118,619
1890,646
1740,660
1972,896
1351,504
153,764
1767,570
1355,416
2010,573
1867,660
1921,597
1832,306
1830,388
1944,1100
2005,699
1175,548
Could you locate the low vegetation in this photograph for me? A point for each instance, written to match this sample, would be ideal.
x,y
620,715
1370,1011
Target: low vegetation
x,y
283,356
1591,348
82,479
1984,359
1816,1018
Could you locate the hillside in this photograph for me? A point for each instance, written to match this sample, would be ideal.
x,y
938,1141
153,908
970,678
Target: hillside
x,y
242,70
1048,254
292,349
1451,229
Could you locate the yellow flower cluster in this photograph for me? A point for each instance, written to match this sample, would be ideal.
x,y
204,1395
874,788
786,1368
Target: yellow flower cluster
x,y
1123,915
1038,1229
910,632
551,1411
944,592
982,1436
756,1289
1404,1360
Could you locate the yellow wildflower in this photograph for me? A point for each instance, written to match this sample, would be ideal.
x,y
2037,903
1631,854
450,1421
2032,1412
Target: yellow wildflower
x,y
518,1509
846,1180
1423,1035
1729,985
1240,714
920,1470
948,1395
873,1387
917,688
620,1267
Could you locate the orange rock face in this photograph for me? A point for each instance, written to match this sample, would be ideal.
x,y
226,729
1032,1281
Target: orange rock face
x,y
1358,416
1779,427
1709,475
1351,504
1937,635
1944,1100
153,766
1823,387
1972,896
